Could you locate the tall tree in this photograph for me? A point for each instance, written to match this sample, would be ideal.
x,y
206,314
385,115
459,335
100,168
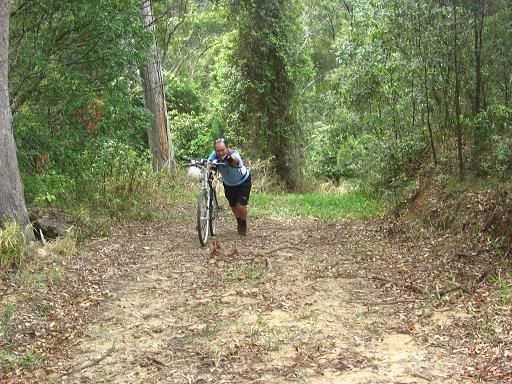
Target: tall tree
x,y
268,58
478,26
154,96
12,203
458,124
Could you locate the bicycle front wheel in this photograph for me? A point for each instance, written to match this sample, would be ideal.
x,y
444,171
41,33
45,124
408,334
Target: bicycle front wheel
x,y
203,218
214,213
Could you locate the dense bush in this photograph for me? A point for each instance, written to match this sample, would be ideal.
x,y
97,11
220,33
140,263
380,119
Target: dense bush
x,y
491,153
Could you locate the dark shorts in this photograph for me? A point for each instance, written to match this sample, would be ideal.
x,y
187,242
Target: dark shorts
x,y
238,194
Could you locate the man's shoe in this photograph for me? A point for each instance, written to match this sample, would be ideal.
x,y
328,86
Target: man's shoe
x,y
242,227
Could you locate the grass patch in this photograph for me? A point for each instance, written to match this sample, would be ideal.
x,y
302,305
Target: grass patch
x,y
503,288
250,274
353,204
12,246
28,360
6,321
65,246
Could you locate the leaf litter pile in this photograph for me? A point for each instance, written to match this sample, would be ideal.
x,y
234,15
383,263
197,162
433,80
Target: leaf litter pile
x,y
302,301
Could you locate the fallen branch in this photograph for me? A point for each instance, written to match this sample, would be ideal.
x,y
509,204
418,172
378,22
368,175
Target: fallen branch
x,y
376,303
156,361
410,286
420,290
90,364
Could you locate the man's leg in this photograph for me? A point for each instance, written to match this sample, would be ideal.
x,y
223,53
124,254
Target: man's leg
x,y
241,212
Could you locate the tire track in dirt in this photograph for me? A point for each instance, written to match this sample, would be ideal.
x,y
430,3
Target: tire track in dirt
x,y
282,305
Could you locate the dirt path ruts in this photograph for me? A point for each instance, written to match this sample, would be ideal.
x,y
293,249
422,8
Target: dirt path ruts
x,y
286,304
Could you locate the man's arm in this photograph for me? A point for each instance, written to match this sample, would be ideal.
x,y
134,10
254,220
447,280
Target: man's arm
x,y
232,158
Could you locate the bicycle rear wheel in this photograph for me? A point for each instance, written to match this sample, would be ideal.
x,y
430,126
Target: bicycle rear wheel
x,y
214,212
203,218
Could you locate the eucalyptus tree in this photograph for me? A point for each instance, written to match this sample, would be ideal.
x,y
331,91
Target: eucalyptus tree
x,y
456,100
12,202
159,135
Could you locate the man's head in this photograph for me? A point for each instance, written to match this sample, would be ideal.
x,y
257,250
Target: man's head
x,y
221,148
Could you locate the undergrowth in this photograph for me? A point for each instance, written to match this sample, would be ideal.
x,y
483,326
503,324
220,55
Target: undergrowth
x,y
104,201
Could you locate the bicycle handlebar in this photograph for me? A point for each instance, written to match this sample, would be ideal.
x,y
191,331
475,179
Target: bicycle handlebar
x,y
204,162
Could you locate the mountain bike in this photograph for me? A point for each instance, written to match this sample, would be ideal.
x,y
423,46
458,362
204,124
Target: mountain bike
x,y
208,210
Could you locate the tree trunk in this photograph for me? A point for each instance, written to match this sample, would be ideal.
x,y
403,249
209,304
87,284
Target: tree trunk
x,y
424,55
427,102
446,99
480,133
12,202
154,97
478,27
458,126
413,97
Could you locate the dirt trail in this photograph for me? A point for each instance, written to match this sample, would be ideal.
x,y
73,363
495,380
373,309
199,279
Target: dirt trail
x,y
288,303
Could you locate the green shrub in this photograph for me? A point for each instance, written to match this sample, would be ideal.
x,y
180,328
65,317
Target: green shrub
x,y
48,189
491,152
193,135
380,162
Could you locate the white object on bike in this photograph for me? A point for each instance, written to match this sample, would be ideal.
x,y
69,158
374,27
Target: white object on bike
x,y
194,173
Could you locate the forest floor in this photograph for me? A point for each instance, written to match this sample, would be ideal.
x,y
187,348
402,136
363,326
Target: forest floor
x,y
295,301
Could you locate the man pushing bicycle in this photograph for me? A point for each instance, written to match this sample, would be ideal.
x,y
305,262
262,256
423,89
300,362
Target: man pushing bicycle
x,y
236,179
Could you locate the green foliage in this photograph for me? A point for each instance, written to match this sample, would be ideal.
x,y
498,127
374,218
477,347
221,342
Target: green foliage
x,y
113,180
380,163
492,143
47,189
182,96
28,360
269,67
505,289
74,82
13,246
353,204
193,135
6,321
336,90
323,149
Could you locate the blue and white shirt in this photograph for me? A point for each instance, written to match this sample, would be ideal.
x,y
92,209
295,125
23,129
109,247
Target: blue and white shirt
x,y
232,175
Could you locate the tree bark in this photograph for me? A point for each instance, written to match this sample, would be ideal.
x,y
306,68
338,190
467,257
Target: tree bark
x,y
458,126
427,102
12,202
154,97
479,15
424,57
